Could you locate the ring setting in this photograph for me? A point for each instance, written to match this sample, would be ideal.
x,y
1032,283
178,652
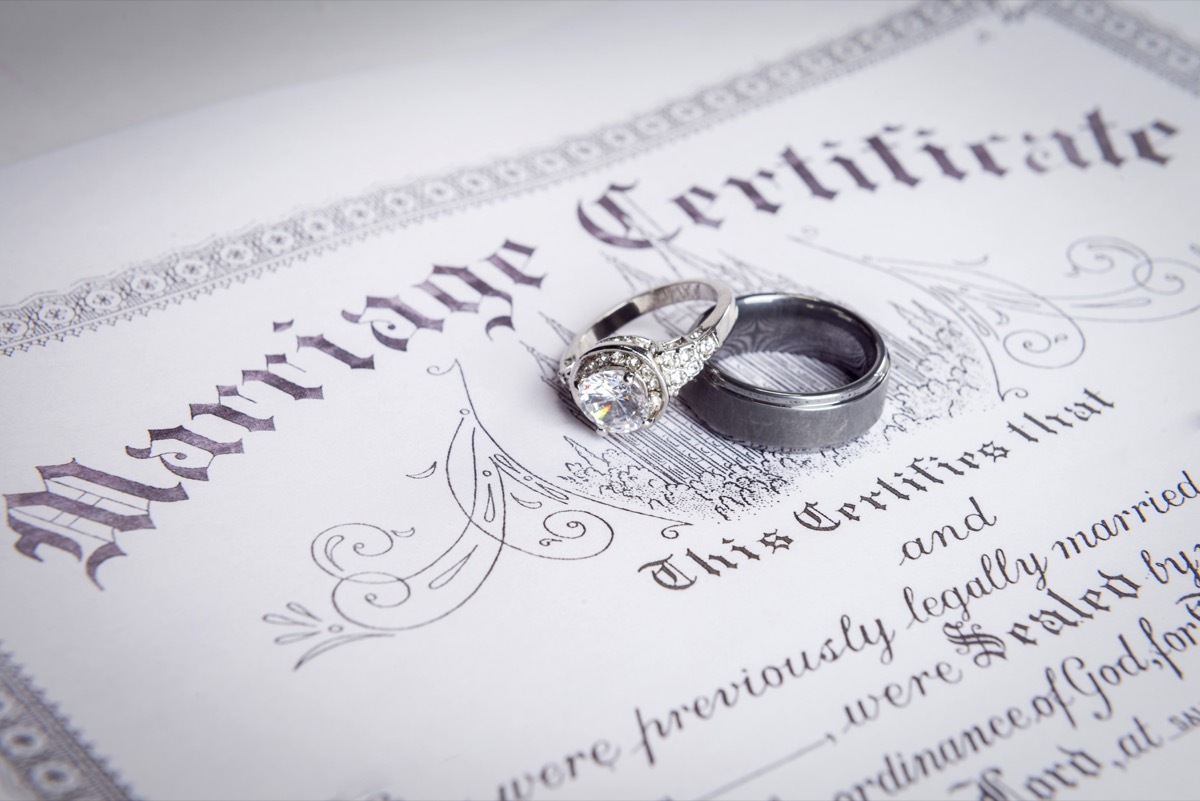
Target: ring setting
x,y
624,383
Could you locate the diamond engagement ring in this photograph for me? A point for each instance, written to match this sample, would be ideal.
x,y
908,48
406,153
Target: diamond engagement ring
x,y
623,383
784,323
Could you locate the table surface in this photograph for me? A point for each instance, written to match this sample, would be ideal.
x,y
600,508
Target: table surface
x,y
79,69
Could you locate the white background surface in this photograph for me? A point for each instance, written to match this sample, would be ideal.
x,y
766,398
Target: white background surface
x,y
74,70
78,69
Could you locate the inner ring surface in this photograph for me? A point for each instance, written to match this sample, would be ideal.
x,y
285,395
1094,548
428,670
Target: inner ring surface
x,y
805,326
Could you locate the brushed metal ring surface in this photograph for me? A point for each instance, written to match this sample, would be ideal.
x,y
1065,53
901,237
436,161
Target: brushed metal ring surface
x,y
788,323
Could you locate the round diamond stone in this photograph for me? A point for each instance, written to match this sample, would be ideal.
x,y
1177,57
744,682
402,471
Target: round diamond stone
x,y
616,399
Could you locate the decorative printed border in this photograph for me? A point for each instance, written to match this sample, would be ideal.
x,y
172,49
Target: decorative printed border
x,y
1132,37
45,757
188,274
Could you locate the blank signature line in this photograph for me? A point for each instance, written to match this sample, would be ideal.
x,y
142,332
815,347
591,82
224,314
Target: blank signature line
x,y
754,774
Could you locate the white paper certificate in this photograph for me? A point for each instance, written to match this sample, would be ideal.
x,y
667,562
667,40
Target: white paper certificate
x,y
297,506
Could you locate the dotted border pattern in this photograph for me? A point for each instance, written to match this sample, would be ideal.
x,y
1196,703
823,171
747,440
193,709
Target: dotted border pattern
x,y
1132,37
188,274
43,753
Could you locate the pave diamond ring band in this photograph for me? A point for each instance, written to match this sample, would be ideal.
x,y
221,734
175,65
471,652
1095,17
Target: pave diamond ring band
x,y
796,324
623,383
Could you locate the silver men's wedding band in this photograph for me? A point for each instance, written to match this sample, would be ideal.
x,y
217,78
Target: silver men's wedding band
x,y
787,323
623,383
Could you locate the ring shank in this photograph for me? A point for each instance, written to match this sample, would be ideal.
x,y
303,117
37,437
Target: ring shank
x,y
807,326
611,321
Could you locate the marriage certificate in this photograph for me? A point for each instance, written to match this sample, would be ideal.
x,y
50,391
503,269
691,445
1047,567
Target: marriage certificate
x,y
296,507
